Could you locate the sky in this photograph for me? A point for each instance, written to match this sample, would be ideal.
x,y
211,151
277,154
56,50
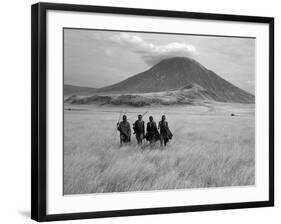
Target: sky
x,y
99,58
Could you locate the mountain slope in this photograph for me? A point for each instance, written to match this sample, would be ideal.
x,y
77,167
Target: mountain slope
x,y
77,90
175,73
192,94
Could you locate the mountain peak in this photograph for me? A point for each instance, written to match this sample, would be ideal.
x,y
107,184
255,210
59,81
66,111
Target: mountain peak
x,y
177,60
179,63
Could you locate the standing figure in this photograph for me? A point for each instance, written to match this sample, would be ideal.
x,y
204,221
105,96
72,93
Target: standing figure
x,y
125,131
165,133
138,127
152,134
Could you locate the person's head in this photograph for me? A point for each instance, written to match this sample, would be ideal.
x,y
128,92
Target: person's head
x,y
150,118
139,117
163,118
124,118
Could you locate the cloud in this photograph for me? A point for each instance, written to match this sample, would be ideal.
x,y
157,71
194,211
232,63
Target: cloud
x,y
151,53
108,52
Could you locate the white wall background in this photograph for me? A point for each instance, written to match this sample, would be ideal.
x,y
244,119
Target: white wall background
x,y
15,110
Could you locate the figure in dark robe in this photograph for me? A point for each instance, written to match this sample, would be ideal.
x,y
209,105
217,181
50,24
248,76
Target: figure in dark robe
x,y
125,130
139,129
165,133
152,134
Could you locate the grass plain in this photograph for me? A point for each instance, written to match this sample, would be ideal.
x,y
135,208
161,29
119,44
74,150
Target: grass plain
x,y
210,148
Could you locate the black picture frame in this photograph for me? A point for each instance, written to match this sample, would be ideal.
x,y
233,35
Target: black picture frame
x,y
39,122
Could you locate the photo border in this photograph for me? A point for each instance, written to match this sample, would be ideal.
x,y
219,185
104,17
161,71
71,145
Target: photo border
x,y
126,31
39,109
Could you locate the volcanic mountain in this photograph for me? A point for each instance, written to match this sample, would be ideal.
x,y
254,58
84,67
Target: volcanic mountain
x,y
177,73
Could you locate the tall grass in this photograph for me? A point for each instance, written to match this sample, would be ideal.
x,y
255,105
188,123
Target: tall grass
x,y
213,150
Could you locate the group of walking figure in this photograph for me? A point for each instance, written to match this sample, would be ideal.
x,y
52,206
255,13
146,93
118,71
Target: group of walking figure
x,y
152,134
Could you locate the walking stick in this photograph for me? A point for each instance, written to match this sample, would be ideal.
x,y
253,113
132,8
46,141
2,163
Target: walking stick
x,y
115,130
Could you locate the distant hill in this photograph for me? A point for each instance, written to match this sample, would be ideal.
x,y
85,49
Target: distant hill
x,y
191,94
77,90
177,73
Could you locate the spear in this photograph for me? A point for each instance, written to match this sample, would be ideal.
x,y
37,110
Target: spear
x,y
115,130
142,115
119,116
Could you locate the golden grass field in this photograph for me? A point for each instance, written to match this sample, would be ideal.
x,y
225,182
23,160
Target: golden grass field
x,y
210,148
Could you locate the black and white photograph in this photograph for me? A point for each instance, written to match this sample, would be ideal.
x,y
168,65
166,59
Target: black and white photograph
x,y
148,111
133,112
